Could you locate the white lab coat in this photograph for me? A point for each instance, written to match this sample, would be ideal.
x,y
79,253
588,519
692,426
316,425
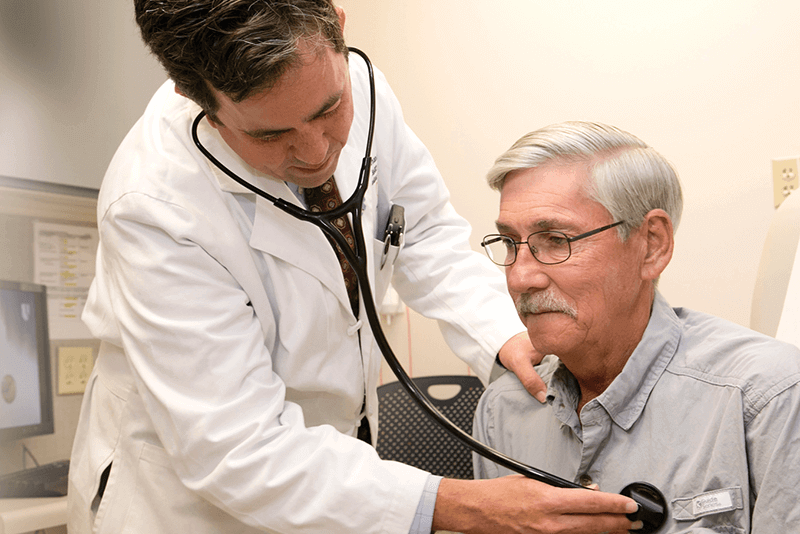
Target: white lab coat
x,y
232,371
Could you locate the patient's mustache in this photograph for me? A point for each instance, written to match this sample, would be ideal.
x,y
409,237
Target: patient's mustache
x,y
529,304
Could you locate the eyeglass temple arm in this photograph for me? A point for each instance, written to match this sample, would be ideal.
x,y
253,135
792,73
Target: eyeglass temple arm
x,y
595,231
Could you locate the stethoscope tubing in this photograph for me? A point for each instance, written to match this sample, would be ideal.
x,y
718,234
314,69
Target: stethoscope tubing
x,y
651,503
358,260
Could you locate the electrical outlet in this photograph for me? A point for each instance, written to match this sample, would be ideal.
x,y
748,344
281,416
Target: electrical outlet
x,y
785,177
74,367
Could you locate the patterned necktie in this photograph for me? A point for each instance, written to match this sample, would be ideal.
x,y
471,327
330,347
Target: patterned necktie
x,y
325,198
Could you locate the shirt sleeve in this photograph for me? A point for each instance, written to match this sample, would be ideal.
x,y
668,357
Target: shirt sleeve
x,y
772,441
423,520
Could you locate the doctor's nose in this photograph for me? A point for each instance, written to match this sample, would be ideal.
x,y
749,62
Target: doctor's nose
x,y
311,147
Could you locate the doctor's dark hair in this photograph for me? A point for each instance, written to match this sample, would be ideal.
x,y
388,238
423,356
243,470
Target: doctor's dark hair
x,y
238,47
627,177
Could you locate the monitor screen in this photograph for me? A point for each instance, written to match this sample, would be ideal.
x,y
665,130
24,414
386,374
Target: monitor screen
x,y
26,399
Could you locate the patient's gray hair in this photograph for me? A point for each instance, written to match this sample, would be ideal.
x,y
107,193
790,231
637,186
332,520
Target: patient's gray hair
x,y
628,177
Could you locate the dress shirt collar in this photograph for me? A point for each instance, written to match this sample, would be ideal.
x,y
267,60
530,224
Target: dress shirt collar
x,y
625,397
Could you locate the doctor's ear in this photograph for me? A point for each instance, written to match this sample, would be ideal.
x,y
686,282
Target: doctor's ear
x,y
342,16
212,119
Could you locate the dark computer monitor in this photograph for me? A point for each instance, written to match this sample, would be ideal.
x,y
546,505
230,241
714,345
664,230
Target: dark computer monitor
x,y
26,398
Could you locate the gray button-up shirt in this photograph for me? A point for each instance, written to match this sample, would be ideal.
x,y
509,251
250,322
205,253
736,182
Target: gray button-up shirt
x,y
705,410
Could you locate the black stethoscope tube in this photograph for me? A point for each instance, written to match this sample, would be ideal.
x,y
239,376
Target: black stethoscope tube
x,y
358,261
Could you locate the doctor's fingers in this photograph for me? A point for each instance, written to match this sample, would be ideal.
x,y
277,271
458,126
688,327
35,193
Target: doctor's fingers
x,y
519,356
585,511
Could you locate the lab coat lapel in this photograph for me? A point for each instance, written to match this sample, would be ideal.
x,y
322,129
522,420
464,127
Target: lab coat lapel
x,y
299,243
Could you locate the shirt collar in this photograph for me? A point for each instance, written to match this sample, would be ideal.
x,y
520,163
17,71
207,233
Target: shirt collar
x,y
625,397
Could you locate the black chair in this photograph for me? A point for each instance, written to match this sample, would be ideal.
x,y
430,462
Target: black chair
x,y
408,434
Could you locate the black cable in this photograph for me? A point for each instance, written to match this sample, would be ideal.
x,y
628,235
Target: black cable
x,y
29,453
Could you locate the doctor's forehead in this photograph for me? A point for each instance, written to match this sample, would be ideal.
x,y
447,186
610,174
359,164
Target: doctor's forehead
x,y
303,93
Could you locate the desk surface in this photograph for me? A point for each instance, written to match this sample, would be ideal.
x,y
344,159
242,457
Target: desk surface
x,y
26,515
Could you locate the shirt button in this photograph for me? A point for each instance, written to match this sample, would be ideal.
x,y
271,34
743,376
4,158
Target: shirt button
x,y
585,481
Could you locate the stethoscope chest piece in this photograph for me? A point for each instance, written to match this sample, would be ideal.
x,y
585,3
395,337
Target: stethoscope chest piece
x,y
652,506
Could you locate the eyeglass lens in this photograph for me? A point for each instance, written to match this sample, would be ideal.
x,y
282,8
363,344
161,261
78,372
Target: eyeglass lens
x,y
547,247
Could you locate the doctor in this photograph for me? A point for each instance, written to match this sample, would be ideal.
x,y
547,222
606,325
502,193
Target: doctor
x,y
235,373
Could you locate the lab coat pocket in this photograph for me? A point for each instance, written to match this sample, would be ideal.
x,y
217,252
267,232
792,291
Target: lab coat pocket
x,y
103,505
91,459
121,503
718,510
162,503
100,487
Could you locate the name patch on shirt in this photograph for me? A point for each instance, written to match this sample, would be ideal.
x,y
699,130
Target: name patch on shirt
x,y
712,502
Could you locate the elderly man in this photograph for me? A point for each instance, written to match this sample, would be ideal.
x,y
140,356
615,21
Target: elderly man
x,y
703,409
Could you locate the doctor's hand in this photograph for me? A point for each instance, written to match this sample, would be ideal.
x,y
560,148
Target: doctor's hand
x,y
518,356
520,505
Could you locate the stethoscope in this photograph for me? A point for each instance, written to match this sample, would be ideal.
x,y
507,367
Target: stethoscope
x,y
652,505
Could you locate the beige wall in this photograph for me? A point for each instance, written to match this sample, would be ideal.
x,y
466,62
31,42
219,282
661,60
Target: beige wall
x,y
74,77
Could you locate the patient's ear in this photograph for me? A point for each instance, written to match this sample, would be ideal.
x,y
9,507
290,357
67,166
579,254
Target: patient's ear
x,y
657,230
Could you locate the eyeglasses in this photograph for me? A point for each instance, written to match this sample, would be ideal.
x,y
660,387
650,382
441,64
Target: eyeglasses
x,y
547,247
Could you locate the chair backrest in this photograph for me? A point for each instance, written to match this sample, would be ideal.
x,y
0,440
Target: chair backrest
x,y
776,267
408,434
